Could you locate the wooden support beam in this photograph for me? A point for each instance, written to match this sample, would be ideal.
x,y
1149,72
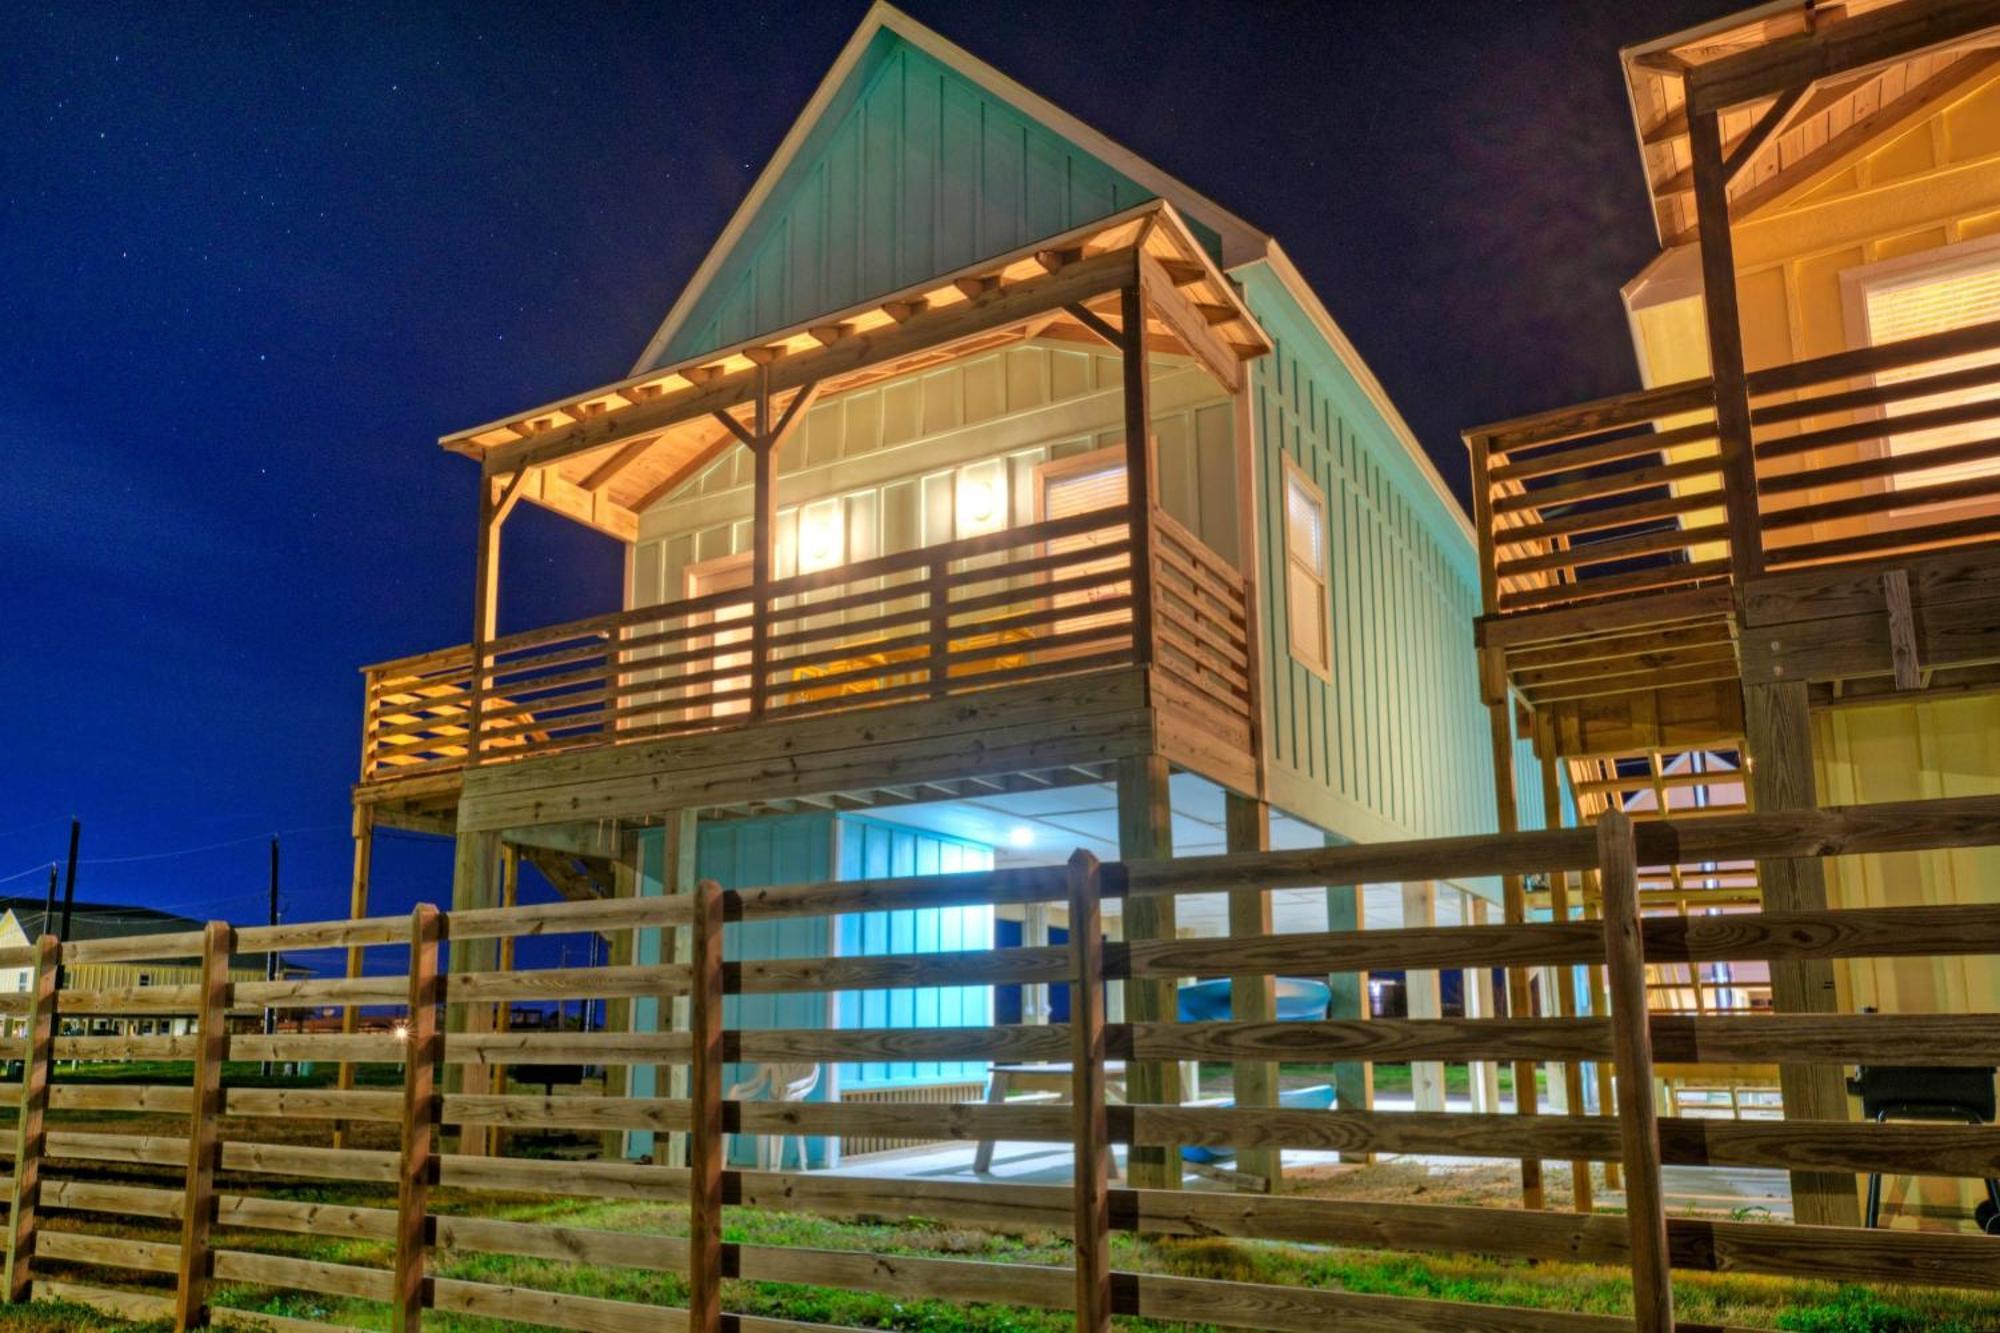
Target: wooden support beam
x,y
1187,324
1139,482
706,1142
763,543
1833,49
1253,996
1096,323
1571,1073
1520,1002
357,908
204,1128
1768,124
679,873
417,1160
1423,993
1902,629
1145,830
1353,1080
1638,1122
1725,348
1778,727
1092,1187
30,1122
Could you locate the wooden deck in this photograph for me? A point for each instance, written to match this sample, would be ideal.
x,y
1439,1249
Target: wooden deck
x,y
1626,577
1026,657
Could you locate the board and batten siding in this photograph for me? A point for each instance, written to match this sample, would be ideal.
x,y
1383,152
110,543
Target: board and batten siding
x,y
914,171
882,466
1396,744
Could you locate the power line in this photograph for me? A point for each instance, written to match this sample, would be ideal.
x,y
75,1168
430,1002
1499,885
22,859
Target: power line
x,y
206,847
34,869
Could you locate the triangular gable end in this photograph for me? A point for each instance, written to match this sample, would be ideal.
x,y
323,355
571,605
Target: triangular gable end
x,y
907,168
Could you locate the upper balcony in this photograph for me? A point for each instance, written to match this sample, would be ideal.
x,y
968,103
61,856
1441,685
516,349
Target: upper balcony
x,y
1036,646
1625,548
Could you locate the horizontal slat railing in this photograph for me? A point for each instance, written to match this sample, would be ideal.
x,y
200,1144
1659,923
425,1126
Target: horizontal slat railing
x,y
1023,603
70,1153
1860,454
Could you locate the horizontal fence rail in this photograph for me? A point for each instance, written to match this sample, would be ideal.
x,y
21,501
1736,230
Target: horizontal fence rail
x,y
457,1079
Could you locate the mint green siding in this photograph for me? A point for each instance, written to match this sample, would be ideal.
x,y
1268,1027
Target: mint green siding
x,y
1399,735
914,171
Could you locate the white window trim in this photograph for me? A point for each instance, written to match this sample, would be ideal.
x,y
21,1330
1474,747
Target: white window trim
x,y
1296,475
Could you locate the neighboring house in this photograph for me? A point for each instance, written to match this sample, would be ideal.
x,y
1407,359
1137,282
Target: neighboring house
x,y
22,922
889,606
1779,558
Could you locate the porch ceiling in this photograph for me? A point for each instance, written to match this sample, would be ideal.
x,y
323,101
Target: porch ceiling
x,y
1787,140
604,456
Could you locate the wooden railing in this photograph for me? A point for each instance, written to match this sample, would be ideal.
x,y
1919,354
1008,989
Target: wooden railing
x,y
1861,454
1054,598
213,1176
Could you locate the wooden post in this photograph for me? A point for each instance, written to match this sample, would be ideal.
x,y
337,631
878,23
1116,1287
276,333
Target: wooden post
x,y
1087,1096
204,1140
357,908
763,542
485,608
618,1011
1632,1041
30,1125
1483,1076
1725,346
1353,1080
1778,736
1145,831
1593,909
678,867
1520,1002
417,1166
705,1137
503,1016
1253,998
1138,469
1572,1072
1423,991
474,884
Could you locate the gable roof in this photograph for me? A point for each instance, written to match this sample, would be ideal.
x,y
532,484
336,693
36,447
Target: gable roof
x,y
883,30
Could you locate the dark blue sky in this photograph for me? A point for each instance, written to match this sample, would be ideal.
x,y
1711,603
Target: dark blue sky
x,y
255,261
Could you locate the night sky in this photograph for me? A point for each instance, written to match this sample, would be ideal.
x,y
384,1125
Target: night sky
x,y
254,262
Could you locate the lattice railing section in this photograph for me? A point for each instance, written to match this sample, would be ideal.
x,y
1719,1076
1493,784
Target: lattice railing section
x,y
219,1182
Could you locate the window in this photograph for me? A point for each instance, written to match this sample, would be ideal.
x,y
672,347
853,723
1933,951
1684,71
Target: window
x,y
1081,484
1949,288
1307,611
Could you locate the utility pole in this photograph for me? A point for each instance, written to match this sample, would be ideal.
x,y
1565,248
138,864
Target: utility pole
x,y
49,903
69,890
271,955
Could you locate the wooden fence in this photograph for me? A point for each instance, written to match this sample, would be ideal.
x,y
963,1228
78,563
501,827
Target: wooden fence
x,y
448,1025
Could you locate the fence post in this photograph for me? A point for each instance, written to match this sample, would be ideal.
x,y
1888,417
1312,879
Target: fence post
x,y
705,1138
937,594
204,1111
1632,1045
422,1050
30,1126
1093,1148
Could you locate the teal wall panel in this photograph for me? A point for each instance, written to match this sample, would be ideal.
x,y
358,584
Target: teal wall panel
x,y
913,171
1400,731
870,849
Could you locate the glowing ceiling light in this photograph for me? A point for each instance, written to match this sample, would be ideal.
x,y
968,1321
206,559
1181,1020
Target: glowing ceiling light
x,y
1020,836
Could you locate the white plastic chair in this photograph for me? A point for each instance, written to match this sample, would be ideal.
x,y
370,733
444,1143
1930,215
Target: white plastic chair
x,y
777,1083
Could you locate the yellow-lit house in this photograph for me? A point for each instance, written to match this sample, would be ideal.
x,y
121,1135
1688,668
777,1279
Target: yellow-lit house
x,y
1771,577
